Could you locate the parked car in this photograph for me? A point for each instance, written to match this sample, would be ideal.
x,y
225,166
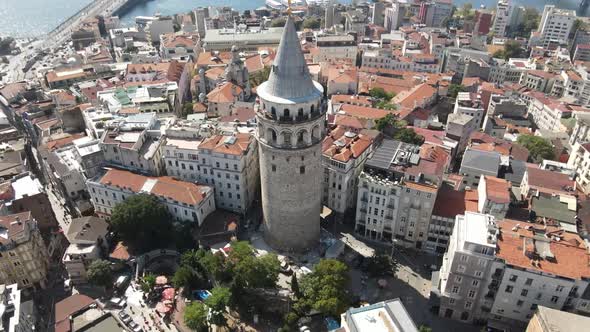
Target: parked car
x,y
118,302
134,326
125,318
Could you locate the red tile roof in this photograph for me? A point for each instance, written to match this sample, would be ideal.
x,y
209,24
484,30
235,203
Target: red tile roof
x,y
449,202
218,143
571,259
549,182
66,308
497,190
342,145
225,93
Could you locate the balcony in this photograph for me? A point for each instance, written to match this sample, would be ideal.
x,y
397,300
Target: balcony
x,y
389,217
390,206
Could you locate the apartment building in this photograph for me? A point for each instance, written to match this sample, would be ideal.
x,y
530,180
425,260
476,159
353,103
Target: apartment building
x,y
390,315
331,47
16,314
547,112
540,268
433,13
183,47
23,256
344,156
397,191
502,18
467,265
469,103
385,59
449,203
581,52
135,144
579,160
494,196
555,25
478,162
88,241
547,320
186,202
581,132
229,163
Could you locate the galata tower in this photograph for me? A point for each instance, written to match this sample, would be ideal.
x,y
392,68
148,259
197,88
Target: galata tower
x,y
290,132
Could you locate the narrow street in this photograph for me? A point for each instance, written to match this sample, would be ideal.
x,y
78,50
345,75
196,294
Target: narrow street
x,y
59,207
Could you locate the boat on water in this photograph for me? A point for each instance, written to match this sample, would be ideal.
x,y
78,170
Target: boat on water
x,y
283,4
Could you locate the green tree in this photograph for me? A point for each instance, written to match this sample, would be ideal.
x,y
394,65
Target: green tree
x,y
512,49
324,288
385,122
218,301
186,278
148,282
312,23
530,22
408,135
381,265
195,316
380,93
454,90
259,77
215,267
539,148
142,222
100,273
278,22
249,271
187,109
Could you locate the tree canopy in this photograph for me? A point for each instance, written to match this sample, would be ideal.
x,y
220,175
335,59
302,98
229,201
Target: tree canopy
x,y
530,22
324,288
408,135
142,222
218,301
195,316
512,49
259,77
539,148
381,265
312,23
278,22
250,271
380,93
100,273
454,90
148,282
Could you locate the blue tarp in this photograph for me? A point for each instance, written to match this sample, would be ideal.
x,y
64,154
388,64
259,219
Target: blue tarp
x,y
331,323
201,294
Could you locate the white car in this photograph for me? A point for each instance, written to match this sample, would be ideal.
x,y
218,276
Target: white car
x,y
118,302
125,318
134,326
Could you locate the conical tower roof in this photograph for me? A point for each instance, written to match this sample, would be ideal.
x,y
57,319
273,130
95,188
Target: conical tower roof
x,y
289,77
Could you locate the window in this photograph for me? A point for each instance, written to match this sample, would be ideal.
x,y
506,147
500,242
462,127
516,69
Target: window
x,y
471,294
519,303
302,170
458,279
461,268
509,289
468,305
478,274
559,288
464,258
528,281
475,283
455,289
274,168
524,292
554,299
451,301
513,278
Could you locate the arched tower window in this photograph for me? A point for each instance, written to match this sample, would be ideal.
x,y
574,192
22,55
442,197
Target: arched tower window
x,y
315,133
312,108
271,135
286,138
301,137
287,114
273,111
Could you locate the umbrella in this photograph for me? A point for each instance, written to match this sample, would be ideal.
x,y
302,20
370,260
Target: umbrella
x,y
168,293
162,308
161,280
